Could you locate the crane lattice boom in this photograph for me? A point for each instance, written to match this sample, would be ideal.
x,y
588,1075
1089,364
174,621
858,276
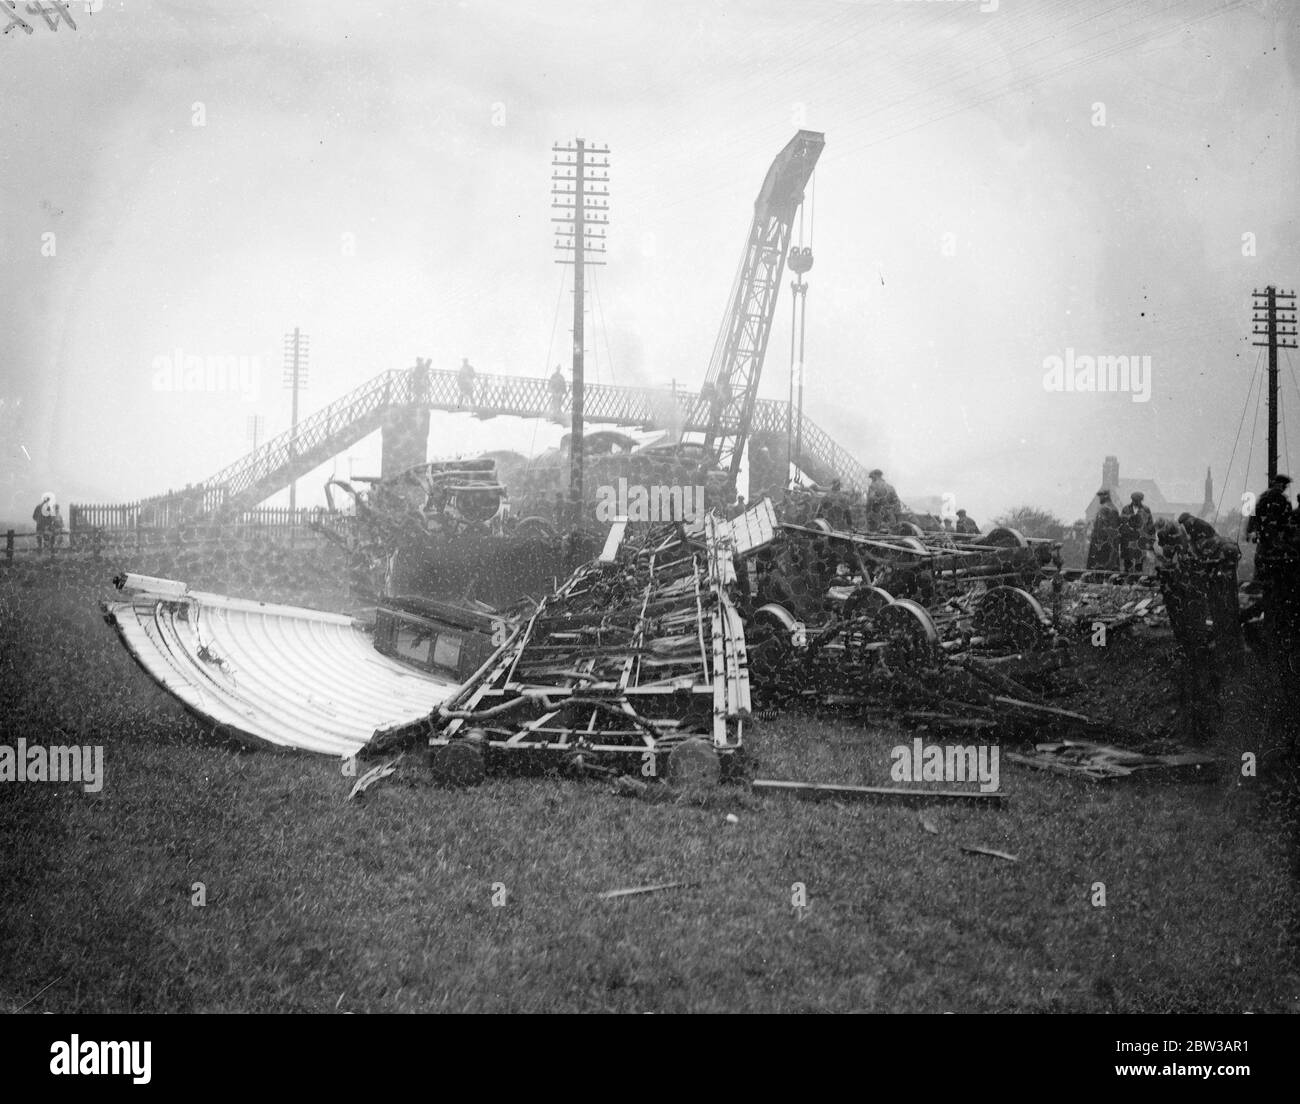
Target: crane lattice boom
x,y
731,386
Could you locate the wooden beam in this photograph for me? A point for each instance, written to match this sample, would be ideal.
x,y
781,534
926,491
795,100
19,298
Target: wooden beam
x,y
831,789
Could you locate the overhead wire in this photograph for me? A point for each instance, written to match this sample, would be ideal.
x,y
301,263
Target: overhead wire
x,y
550,346
1286,441
1254,428
604,328
1290,369
1227,475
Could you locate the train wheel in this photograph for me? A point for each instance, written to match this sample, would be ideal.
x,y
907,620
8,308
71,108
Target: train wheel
x,y
459,763
1014,615
535,527
694,762
770,642
911,640
867,601
1003,537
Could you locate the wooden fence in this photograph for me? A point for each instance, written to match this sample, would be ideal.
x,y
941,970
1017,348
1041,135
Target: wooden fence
x,y
168,513
96,528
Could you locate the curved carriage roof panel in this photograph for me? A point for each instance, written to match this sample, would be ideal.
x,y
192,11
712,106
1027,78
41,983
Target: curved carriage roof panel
x,y
289,676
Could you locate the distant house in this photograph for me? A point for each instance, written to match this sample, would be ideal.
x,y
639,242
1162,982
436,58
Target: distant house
x,y
1153,498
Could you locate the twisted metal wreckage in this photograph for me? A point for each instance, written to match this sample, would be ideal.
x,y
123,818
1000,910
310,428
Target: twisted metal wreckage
x,y
638,657
645,654
654,657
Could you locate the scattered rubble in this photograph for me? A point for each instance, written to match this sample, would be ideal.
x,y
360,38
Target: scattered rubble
x,y
1101,762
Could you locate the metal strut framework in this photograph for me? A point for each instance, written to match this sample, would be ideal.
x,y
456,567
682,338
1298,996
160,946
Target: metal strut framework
x,y
731,387
637,653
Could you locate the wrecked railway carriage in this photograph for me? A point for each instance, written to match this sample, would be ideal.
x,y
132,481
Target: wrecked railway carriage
x,y
652,658
641,662
638,659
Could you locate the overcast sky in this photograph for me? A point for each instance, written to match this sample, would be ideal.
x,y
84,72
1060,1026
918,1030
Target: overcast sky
x,y
1002,182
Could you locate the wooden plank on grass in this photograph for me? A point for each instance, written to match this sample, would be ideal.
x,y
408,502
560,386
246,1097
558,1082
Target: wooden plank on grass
x,y
610,894
907,793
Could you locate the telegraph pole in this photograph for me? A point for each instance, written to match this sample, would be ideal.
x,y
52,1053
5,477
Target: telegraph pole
x,y
295,377
580,185
1274,316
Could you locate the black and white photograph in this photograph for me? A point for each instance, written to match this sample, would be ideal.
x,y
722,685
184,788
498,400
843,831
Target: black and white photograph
x,y
650,507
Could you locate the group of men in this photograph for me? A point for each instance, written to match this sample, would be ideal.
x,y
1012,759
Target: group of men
x,y
879,511
1121,539
965,524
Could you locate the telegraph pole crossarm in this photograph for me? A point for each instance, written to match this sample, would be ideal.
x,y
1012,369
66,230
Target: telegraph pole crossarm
x,y
1275,322
580,187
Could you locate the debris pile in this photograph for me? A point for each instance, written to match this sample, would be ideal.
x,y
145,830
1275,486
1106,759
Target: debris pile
x,y
942,632
1118,607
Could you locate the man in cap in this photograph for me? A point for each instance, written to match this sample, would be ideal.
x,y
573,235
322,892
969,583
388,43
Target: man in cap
x,y
883,507
466,376
558,390
1103,548
1274,526
1212,562
1182,586
1270,524
835,507
966,524
1137,530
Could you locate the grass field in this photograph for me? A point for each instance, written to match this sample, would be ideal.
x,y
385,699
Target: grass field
x,y
315,905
